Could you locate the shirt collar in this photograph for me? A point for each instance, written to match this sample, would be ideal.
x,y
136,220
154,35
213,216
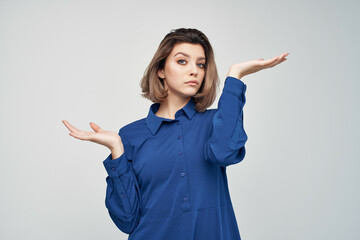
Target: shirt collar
x,y
154,122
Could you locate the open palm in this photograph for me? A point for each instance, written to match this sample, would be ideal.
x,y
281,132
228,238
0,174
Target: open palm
x,y
100,136
242,69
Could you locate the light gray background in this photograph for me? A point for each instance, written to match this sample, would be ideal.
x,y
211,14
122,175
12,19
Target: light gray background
x,y
83,60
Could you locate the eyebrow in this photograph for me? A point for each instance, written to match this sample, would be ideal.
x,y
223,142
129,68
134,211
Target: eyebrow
x,y
186,55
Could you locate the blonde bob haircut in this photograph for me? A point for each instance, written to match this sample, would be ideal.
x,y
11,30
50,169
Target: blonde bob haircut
x,y
153,86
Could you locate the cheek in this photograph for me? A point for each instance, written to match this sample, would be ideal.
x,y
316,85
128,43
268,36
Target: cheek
x,y
173,68
203,74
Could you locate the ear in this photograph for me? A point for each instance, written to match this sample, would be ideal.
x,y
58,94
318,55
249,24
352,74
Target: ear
x,y
161,73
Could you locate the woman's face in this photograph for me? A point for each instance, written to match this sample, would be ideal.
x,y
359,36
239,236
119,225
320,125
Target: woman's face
x,y
185,63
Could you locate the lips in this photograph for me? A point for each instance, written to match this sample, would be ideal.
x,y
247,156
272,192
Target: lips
x,y
193,82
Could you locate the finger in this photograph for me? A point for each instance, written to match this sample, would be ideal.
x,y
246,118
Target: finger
x,y
283,56
95,127
79,136
268,63
279,58
277,62
67,124
71,127
274,61
274,64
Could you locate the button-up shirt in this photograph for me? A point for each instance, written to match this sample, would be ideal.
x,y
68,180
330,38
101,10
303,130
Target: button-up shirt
x,y
170,183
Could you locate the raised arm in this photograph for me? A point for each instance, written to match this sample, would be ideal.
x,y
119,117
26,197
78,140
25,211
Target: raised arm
x,y
226,144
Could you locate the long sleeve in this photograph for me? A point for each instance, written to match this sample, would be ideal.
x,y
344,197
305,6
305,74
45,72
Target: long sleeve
x,y
122,193
226,144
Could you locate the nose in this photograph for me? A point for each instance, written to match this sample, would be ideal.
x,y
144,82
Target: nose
x,y
194,70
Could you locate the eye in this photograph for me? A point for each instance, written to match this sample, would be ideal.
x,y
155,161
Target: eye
x,y
202,65
181,60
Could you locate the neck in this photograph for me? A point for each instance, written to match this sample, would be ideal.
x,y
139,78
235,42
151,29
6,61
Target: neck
x,y
170,106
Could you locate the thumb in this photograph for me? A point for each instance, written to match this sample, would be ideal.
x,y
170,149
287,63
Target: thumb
x,y
95,127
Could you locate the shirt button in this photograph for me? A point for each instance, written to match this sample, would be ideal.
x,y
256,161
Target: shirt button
x,y
113,168
179,137
122,195
182,174
185,199
180,153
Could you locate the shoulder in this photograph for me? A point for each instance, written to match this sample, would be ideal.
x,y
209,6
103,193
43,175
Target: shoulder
x,y
133,132
136,126
206,117
208,114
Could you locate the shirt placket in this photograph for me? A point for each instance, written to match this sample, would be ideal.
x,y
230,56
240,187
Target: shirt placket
x,y
182,170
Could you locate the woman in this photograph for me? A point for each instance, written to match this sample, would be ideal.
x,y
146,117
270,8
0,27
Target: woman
x,y
167,172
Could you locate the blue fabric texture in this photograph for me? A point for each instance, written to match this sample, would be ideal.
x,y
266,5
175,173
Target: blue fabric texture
x,y
170,183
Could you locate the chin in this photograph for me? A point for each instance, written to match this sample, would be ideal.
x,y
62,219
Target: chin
x,y
189,93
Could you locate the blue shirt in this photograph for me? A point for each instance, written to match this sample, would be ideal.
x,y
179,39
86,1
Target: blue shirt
x,y
170,183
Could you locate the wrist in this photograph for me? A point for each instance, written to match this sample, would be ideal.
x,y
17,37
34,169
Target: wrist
x,y
116,146
233,72
116,152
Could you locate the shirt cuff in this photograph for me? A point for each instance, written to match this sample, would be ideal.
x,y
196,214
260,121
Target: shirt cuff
x,y
235,86
116,167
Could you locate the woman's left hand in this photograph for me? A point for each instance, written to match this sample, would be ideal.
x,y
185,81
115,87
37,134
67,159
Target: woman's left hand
x,y
242,69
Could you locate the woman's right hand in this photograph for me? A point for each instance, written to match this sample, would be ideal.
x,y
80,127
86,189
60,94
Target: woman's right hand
x,y
110,139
